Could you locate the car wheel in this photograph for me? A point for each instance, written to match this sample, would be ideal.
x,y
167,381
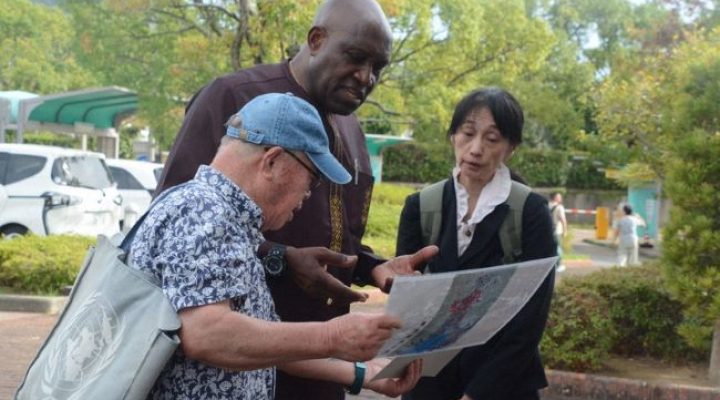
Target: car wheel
x,y
13,231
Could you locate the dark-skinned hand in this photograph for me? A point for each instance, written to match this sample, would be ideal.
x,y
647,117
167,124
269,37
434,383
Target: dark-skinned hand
x,y
308,269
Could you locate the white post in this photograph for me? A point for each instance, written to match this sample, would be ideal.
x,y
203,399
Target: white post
x,y
714,370
4,118
108,142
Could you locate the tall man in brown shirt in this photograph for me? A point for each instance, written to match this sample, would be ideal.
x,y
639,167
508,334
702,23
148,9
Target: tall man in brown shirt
x,y
347,47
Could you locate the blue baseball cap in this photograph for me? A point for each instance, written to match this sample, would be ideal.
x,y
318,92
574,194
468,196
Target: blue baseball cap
x,y
284,120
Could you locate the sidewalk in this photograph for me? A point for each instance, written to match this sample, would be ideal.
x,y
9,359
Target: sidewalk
x,y
24,332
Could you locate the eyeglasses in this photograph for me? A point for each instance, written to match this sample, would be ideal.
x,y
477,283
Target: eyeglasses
x,y
316,177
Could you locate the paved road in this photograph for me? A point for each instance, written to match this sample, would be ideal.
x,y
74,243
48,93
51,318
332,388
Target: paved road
x,y
600,254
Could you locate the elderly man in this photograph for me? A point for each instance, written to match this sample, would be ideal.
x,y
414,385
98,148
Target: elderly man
x,y
200,240
347,47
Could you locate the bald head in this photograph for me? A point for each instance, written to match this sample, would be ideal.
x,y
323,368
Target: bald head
x,y
346,50
344,14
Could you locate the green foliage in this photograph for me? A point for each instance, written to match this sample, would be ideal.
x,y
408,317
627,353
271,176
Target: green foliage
x,y
578,332
644,316
426,163
51,139
387,203
41,264
541,167
36,49
691,245
623,311
586,174
418,162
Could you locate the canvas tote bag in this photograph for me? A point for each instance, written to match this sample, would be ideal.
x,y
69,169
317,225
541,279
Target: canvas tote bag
x,y
112,340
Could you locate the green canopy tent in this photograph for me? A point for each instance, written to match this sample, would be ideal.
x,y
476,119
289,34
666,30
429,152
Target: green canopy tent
x,y
96,112
376,144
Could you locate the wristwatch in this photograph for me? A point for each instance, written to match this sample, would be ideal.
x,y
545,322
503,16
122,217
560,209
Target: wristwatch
x,y
357,384
274,261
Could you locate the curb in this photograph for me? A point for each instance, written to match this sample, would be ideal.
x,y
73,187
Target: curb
x,y
574,385
32,304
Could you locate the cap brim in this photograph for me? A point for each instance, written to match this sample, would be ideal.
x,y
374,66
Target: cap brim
x,y
330,167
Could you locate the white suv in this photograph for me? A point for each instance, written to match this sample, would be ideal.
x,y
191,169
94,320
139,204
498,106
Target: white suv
x,y
136,182
53,190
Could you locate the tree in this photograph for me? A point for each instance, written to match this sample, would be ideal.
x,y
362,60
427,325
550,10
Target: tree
x,y
36,50
691,253
444,49
167,50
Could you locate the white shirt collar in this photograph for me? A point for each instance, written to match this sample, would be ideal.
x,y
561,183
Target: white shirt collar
x,y
493,194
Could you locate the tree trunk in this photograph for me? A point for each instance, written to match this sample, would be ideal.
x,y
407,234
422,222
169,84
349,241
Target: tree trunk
x,y
714,371
241,34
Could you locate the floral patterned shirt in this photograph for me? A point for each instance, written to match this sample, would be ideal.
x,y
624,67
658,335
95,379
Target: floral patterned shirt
x,y
200,241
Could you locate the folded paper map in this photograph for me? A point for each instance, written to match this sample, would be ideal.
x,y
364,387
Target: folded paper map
x,y
445,312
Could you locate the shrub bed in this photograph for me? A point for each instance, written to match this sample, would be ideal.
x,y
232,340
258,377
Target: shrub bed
x,y
577,336
620,311
41,264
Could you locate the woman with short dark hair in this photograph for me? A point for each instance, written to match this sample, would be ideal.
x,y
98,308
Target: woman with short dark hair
x,y
486,129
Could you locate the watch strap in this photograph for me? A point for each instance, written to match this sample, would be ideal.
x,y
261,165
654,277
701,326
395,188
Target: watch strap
x,y
357,384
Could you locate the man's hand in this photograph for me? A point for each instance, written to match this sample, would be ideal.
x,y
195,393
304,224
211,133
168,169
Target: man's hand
x,y
392,387
384,273
308,269
359,336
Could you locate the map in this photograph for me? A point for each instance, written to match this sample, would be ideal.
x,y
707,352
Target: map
x,y
443,313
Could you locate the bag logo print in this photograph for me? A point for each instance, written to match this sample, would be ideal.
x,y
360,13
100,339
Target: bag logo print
x,y
89,342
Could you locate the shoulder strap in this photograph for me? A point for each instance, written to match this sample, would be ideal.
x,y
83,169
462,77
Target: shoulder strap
x,y
511,228
431,211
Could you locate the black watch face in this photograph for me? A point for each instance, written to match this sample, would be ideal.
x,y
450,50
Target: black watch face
x,y
273,265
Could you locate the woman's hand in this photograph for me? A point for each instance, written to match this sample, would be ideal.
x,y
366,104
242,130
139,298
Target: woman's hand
x,y
384,273
392,387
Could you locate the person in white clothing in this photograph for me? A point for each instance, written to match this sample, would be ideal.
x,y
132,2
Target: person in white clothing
x,y
627,239
557,210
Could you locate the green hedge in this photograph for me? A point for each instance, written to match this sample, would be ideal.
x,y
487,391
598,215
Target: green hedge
x,y
431,162
418,162
622,311
41,264
585,174
644,315
577,335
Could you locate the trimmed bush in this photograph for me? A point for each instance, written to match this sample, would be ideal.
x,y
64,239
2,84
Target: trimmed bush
x,y
418,162
541,167
643,314
41,264
578,333
430,162
623,311
584,174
